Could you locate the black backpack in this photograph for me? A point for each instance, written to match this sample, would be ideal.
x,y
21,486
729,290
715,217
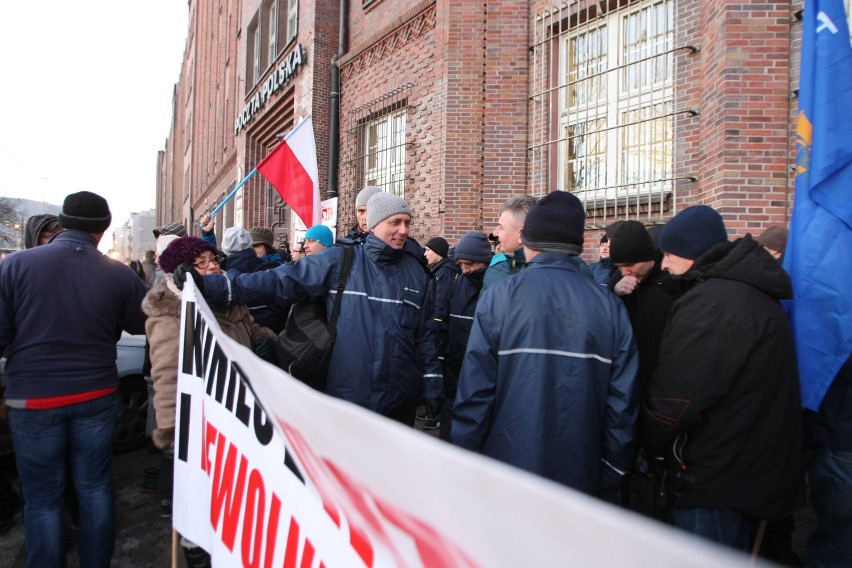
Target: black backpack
x,y
303,348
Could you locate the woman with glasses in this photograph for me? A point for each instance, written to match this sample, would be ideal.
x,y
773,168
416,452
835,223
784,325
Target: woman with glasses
x,y
162,305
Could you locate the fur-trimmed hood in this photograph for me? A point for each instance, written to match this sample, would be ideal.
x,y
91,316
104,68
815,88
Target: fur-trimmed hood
x,y
161,301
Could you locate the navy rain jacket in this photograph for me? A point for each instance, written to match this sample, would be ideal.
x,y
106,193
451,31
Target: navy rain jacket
x,y
547,382
384,357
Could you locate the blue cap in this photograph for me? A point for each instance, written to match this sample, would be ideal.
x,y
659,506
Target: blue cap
x,y
693,231
321,234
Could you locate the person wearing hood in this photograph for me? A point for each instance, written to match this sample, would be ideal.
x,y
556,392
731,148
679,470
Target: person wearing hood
x,y
472,255
39,229
547,380
724,404
384,358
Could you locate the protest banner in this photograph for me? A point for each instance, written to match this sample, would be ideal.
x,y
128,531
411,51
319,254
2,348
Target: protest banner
x,y
270,473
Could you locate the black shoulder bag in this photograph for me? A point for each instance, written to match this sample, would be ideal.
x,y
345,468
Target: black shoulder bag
x,y
304,346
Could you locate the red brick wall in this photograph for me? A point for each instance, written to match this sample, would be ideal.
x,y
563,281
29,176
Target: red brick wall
x,y
400,51
467,118
738,148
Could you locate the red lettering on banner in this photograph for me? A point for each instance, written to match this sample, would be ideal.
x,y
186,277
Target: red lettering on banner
x,y
225,493
327,488
363,507
272,530
208,436
253,521
291,555
358,499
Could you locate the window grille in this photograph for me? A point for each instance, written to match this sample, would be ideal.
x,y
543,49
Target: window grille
x,y
602,107
376,146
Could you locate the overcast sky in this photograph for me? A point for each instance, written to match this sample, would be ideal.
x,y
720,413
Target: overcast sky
x,y
86,98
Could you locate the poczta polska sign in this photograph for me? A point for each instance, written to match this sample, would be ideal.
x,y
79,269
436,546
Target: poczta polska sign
x,y
276,81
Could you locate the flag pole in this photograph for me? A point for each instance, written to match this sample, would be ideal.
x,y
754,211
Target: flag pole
x,y
233,193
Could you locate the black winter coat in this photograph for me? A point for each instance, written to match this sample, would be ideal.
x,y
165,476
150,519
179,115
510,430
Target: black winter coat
x,y
727,386
648,307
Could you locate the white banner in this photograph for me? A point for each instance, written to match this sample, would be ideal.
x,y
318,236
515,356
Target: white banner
x,y
269,473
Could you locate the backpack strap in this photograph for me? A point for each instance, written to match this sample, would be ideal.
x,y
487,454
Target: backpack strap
x,y
348,260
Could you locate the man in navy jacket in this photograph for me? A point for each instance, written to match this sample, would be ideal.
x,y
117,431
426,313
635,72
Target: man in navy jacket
x,y
62,308
384,357
547,382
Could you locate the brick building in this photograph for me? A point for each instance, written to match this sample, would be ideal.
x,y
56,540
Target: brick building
x,y
640,107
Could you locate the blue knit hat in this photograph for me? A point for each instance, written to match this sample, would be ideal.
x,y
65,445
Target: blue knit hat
x,y
474,247
321,234
693,231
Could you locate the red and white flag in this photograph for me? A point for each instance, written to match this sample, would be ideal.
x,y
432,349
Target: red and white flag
x,y
291,168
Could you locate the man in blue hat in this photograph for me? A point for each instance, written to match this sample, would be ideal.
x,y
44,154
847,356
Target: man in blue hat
x,y
723,404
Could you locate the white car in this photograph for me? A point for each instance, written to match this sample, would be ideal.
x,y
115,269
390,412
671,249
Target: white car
x,y
131,433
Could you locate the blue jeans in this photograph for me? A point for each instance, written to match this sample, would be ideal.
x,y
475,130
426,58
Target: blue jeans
x,y
81,436
724,526
831,495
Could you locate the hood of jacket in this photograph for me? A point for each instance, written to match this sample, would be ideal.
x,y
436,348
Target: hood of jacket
x,y
161,301
742,260
35,226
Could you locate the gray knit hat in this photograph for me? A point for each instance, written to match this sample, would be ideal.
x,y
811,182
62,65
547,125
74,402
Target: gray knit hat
x,y
383,205
365,194
235,239
261,235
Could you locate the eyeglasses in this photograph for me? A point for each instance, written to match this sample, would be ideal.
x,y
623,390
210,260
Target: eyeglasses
x,y
206,262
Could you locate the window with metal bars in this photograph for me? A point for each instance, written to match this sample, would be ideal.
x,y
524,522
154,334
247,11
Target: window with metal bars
x,y
602,106
376,149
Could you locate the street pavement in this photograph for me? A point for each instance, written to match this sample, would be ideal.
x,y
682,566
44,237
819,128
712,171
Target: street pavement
x,y
143,539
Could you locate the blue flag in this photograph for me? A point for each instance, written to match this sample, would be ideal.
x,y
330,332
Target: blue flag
x,y
819,250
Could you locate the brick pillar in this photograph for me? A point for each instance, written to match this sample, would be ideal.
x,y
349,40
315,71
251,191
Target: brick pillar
x,y
739,145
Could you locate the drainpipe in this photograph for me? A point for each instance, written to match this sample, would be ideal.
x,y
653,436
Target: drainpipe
x,y
334,122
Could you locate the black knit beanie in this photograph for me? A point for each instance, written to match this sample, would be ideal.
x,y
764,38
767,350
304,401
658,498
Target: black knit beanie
x,y
556,224
631,243
439,246
85,211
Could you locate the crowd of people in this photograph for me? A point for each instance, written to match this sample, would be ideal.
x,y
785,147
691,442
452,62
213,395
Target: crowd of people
x,y
661,378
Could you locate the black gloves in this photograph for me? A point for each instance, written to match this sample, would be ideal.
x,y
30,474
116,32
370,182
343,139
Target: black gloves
x,y
434,406
265,349
185,270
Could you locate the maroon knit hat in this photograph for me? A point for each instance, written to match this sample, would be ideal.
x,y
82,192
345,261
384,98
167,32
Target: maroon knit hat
x,y
182,250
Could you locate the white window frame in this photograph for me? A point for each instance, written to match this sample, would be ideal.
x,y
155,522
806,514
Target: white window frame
x,y
292,19
272,23
609,100
385,152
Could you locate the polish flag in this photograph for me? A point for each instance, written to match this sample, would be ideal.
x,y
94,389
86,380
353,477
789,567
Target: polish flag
x,y
291,168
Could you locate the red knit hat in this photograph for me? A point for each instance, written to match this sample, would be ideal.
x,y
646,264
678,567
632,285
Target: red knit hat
x,y
182,251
